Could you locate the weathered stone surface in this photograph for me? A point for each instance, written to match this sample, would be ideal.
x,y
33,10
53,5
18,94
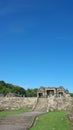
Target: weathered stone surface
x,y
12,103
70,117
64,103
54,103
41,104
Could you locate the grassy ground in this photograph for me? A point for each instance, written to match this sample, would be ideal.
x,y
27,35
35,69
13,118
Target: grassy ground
x,y
6,113
52,121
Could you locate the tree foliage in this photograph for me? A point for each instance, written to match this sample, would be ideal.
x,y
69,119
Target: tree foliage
x,y
71,94
31,92
6,88
10,88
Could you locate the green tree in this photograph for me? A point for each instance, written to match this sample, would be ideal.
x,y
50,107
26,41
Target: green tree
x,y
6,88
31,92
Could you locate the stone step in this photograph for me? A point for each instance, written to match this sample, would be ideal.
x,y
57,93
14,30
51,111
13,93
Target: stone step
x,y
41,105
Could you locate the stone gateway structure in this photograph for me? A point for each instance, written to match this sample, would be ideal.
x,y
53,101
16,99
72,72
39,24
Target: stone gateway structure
x,y
52,91
48,99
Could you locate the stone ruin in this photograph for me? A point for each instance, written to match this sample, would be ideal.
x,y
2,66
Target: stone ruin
x,y
52,91
48,99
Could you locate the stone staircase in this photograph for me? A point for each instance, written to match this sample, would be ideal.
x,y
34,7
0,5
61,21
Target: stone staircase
x,y
41,105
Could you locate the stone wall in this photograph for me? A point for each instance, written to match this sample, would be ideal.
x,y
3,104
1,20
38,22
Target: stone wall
x,y
53,103
60,103
12,103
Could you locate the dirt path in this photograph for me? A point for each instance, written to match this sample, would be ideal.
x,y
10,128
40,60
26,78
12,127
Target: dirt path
x,y
19,121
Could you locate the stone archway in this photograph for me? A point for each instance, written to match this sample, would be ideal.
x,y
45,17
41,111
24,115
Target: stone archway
x,y
40,94
61,93
50,92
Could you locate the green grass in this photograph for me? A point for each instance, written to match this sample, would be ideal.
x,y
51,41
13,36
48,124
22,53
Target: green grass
x,y
6,113
52,121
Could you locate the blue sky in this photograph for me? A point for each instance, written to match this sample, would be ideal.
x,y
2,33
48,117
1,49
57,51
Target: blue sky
x,y
36,43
